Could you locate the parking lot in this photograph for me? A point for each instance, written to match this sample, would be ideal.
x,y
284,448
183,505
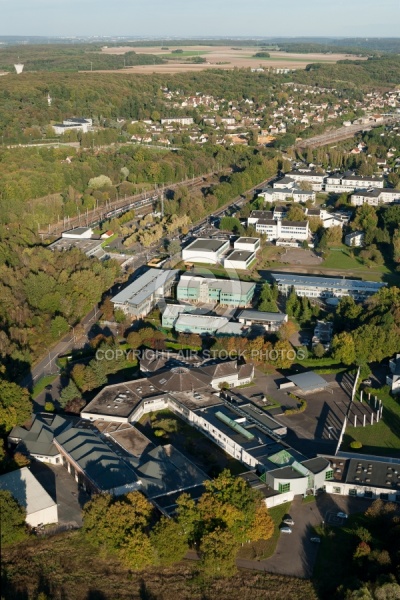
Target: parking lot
x,y
317,429
295,553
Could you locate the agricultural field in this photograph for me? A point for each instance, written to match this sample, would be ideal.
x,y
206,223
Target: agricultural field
x,y
221,57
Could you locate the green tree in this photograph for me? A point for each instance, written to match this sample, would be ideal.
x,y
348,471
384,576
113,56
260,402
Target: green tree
x,y
295,213
59,326
343,348
12,519
169,541
267,302
69,393
137,552
15,406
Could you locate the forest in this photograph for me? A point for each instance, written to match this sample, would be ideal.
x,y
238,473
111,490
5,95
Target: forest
x,y
62,57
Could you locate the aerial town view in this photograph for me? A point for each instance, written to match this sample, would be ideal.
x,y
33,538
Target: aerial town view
x,y
199,300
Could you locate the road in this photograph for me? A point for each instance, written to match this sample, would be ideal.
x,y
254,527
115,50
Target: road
x,y
47,365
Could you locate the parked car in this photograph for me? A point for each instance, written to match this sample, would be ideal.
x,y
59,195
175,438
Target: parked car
x,y
285,530
288,521
367,382
342,515
315,540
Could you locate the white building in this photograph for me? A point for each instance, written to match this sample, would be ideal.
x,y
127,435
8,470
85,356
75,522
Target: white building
x,y
41,509
79,233
177,121
268,320
375,196
73,124
283,230
348,182
326,287
239,259
205,250
315,179
355,238
272,194
140,297
394,378
250,244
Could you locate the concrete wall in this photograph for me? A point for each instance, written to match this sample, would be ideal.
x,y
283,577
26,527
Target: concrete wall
x,y
45,516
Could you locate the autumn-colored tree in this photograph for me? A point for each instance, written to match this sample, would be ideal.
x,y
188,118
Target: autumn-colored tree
x,y
286,330
284,353
218,554
262,527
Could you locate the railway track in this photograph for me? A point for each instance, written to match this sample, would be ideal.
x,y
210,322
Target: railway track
x,y
343,133
137,202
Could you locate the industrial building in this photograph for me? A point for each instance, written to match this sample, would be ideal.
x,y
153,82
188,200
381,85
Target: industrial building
x,y
73,124
268,320
205,250
40,508
249,244
240,260
326,287
228,292
206,324
140,297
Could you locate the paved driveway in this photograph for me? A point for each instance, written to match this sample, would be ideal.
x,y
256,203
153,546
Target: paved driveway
x,y
62,487
295,554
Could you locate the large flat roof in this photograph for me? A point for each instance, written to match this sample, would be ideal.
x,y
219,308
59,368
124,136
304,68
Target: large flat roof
x,y
325,282
121,399
207,244
243,255
228,286
372,473
247,240
309,381
144,286
257,315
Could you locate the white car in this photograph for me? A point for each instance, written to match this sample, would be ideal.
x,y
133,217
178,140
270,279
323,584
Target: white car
x,y
285,530
342,515
288,521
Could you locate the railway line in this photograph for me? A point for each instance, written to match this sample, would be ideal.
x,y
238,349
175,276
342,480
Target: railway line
x,y
343,133
137,202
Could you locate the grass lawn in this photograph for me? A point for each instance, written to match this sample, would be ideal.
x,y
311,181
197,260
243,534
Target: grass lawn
x,y
343,258
40,385
188,440
383,438
266,548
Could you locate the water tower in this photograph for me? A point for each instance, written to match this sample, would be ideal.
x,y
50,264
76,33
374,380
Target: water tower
x,y
19,67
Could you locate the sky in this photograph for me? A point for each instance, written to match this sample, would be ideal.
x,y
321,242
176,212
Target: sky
x,y
189,18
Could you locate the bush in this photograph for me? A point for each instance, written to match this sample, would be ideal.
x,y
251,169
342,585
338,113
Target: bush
x,y
49,407
356,445
300,408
